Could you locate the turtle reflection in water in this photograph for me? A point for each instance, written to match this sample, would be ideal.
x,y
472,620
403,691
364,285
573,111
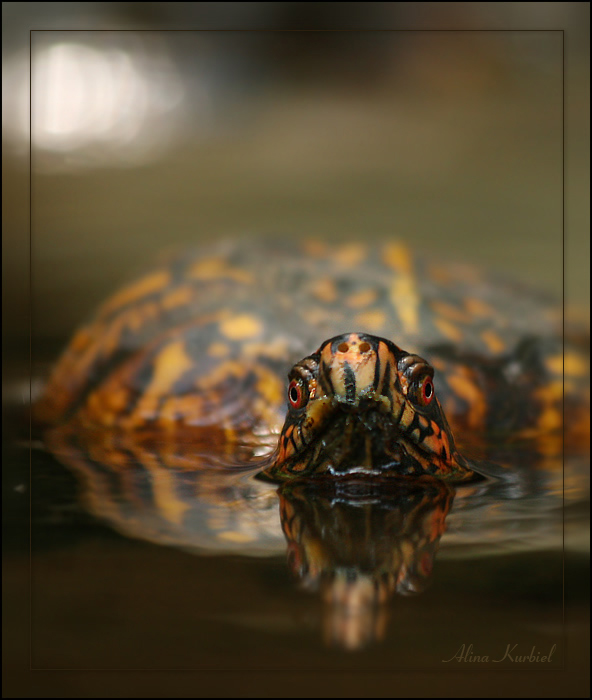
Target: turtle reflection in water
x,y
177,386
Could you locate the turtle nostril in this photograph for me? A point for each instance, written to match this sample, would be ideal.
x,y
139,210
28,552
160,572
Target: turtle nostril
x,y
364,347
344,347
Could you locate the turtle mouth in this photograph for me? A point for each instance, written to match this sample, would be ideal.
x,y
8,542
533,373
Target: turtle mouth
x,y
358,437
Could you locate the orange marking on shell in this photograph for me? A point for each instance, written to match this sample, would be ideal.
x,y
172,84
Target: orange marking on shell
x,y
135,319
463,384
278,349
143,287
364,297
350,254
218,350
575,365
241,327
146,411
477,307
449,312
494,343
324,290
178,297
268,400
440,274
438,364
217,268
81,341
184,410
315,248
448,329
373,320
106,405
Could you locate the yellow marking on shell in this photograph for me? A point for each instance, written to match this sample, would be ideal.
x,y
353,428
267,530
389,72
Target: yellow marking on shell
x,y
373,320
109,340
217,268
463,384
276,349
268,400
364,297
449,312
218,350
234,536
575,365
220,373
494,343
241,327
350,254
270,387
403,291
187,410
143,287
169,366
178,297
477,307
448,329
324,290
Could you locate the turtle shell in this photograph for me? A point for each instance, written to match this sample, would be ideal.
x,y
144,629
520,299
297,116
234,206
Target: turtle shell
x,y
203,343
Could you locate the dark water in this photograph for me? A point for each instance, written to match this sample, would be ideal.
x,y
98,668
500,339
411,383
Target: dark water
x,y
236,578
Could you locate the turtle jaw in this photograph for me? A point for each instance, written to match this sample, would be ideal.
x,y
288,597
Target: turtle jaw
x,y
353,440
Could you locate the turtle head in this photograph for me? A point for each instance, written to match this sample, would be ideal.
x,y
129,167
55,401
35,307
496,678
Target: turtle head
x,y
361,405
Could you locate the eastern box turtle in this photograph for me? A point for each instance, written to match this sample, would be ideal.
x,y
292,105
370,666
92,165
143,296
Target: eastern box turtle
x,y
188,375
198,351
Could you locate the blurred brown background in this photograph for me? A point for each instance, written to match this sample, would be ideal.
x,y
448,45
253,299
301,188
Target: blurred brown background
x,y
146,140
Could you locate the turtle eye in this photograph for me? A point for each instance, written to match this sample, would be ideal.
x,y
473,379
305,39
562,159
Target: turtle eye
x,y
425,391
297,393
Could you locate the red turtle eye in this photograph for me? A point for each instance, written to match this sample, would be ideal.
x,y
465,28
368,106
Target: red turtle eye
x,y
426,391
297,393
425,564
